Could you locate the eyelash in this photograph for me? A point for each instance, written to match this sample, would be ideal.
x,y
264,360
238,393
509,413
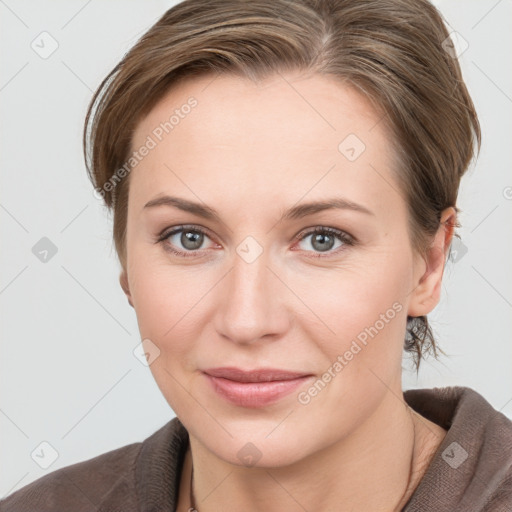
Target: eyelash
x,y
347,240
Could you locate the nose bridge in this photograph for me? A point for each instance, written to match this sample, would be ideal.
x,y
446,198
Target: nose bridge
x,y
249,307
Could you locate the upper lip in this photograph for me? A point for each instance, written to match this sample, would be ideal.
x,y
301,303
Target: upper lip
x,y
257,375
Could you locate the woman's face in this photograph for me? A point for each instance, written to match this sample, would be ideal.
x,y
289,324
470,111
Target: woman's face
x,y
259,289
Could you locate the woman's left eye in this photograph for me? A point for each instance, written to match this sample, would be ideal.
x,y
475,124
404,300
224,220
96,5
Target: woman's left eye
x,y
191,239
324,239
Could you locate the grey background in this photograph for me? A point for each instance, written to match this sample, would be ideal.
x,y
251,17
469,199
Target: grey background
x,y
68,374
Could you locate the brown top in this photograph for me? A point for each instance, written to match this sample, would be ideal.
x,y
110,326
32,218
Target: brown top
x,y
471,470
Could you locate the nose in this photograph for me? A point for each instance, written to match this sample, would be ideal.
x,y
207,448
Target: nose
x,y
252,304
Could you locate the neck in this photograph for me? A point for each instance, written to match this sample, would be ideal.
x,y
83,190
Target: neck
x,y
377,468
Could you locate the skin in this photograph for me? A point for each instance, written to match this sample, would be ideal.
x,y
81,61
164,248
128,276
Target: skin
x,y
251,151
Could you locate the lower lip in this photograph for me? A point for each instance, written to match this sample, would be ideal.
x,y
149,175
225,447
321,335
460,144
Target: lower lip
x,y
254,394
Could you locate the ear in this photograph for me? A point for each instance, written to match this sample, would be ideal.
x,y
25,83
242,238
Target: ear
x,y
427,287
123,281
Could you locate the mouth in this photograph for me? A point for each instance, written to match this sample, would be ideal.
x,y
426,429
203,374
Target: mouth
x,y
254,388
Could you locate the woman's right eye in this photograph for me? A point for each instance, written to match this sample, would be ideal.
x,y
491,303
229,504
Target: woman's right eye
x,y
184,241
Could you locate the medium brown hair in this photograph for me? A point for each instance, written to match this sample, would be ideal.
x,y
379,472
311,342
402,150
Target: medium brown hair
x,y
392,51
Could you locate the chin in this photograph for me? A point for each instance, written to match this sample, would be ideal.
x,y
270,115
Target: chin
x,y
253,447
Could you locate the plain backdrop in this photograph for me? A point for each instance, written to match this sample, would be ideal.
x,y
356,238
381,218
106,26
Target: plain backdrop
x,y
69,377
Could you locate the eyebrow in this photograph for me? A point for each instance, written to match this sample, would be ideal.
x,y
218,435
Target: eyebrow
x,y
294,213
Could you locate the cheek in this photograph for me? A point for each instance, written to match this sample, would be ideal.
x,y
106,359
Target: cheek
x,y
170,306
164,300
358,310
363,344
169,313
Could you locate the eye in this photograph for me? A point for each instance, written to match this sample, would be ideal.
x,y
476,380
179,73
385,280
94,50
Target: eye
x,y
323,240
189,238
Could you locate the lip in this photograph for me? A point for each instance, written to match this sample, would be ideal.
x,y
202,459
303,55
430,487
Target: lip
x,y
254,388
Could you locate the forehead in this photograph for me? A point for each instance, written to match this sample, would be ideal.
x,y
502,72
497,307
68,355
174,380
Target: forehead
x,y
222,136
287,107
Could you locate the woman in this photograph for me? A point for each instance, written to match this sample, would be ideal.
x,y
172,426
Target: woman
x,y
284,179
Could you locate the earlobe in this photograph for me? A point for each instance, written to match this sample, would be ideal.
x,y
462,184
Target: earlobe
x,y
427,291
123,281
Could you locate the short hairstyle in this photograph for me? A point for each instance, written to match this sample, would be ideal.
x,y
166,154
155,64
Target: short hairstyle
x,y
395,52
